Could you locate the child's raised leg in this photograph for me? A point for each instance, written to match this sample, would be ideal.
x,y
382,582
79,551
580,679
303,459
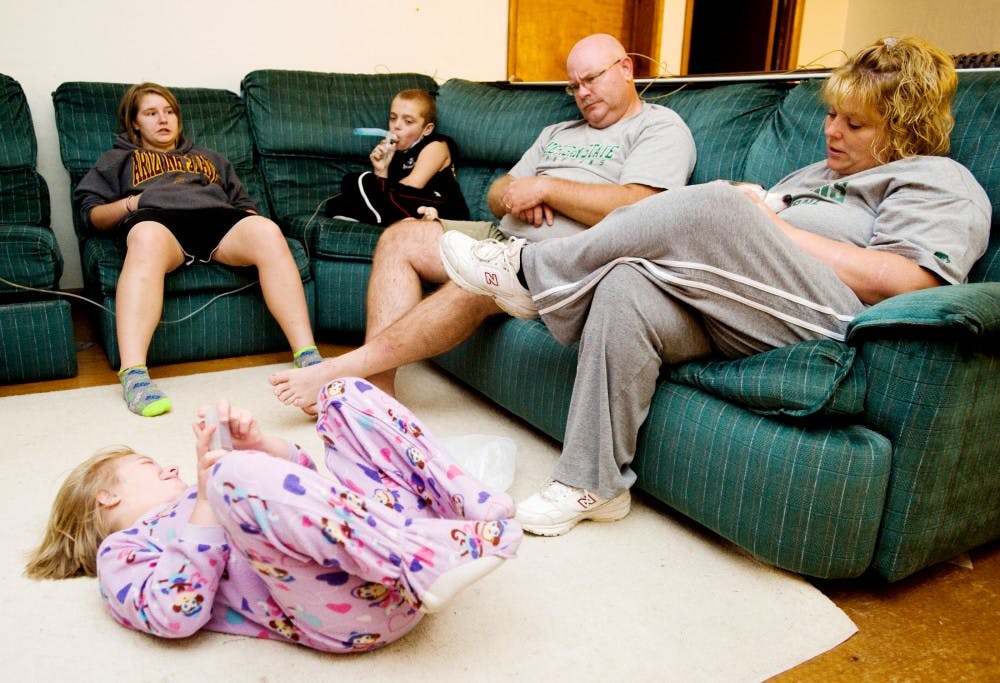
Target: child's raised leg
x,y
376,445
315,529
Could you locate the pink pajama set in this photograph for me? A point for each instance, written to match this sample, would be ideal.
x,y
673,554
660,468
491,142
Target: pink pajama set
x,y
334,563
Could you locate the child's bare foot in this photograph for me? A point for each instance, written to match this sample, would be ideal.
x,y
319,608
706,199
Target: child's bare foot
x,y
299,386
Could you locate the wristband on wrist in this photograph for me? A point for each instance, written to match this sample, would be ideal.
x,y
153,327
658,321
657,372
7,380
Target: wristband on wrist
x,y
128,203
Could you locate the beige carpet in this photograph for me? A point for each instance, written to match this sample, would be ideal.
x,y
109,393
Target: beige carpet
x,y
651,598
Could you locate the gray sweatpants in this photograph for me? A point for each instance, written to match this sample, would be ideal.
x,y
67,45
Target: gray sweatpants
x,y
678,276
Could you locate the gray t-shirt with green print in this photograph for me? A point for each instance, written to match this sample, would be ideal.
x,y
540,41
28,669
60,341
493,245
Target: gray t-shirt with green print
x,y
653,147
929,209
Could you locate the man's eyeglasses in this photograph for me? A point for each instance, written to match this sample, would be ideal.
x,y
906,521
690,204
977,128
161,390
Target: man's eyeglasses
x,y
589,81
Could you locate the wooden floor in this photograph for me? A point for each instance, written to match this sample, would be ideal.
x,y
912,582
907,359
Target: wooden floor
x,y
940,624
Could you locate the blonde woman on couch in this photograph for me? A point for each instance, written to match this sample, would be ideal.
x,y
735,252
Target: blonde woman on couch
x,y
170,203
713,269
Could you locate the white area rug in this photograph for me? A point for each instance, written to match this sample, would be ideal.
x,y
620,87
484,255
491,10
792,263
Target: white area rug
x,y
645,599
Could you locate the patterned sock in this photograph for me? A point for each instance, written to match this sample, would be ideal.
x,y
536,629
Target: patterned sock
x,y
306,356
142,396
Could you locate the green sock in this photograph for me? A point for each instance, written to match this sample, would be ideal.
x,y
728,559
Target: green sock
x,y
142,396
306,356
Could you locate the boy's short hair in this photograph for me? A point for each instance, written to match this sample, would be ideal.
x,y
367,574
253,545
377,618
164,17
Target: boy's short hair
x,y
426,101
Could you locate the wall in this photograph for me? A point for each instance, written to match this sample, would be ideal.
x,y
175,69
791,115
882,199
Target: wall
x,y
822,35
214,43
957,26
831,28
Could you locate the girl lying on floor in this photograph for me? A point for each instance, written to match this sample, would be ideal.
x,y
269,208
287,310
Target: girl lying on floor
x,y
266,546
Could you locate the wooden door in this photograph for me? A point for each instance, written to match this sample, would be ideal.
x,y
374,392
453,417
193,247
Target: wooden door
x,y
540,33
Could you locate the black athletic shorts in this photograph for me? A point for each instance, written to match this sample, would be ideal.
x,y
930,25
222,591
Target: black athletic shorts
x,y
198,231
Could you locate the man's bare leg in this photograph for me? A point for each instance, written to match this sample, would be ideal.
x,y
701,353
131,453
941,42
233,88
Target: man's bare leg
x,y
407,256
402,326
438,323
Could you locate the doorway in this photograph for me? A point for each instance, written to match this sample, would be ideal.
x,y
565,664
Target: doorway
x,y
736,36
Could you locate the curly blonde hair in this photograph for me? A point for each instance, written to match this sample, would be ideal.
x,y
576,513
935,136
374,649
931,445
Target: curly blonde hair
x,y
908,83
76,525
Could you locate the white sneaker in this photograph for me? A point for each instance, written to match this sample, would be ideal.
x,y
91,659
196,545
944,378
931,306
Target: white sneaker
x,y
489,268
557,508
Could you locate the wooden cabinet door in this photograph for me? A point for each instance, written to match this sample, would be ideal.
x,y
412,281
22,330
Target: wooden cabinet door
x,y
540,33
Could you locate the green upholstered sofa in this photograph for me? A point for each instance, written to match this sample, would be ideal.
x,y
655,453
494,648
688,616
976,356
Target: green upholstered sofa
x,y
209,310
36,329
833,460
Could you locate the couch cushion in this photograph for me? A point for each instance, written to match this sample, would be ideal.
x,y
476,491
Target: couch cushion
x,y
315,113
724,121
36,341
820,377
494,123
975,142
18,147
335,239
29,256
965,312
792,138
24,196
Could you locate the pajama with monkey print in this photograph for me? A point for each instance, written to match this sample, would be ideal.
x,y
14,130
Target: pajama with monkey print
x,y
337,563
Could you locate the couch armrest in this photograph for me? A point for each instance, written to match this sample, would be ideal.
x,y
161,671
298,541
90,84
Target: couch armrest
x,y
933,364
971,310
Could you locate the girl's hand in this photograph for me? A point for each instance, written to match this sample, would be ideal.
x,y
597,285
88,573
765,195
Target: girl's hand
x,y
243,428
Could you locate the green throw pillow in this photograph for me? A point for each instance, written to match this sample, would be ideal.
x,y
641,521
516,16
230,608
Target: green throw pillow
x,y
809,378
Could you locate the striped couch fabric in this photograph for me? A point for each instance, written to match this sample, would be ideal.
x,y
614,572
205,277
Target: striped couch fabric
x,y
36,329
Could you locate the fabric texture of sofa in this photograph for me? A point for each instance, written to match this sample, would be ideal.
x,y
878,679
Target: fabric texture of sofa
x,y
209,310
36,330
829,459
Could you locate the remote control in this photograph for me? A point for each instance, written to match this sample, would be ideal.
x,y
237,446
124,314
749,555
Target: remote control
x,y
221,437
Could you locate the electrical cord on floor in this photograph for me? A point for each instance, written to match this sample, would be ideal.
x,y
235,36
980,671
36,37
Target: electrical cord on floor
x,y
108,310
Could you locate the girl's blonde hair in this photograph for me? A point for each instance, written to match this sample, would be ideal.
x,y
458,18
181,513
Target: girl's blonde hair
x,y
908,83
128,108
76,525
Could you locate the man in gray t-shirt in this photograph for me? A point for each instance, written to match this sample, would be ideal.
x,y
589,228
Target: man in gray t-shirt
x,y
645,149
574,175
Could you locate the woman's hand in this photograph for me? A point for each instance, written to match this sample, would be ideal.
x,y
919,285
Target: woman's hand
x,y
111,214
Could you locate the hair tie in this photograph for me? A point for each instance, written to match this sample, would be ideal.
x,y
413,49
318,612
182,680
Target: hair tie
x,y
889,42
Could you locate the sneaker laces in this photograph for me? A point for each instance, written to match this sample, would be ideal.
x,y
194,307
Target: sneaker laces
x,y
556,491
505,255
